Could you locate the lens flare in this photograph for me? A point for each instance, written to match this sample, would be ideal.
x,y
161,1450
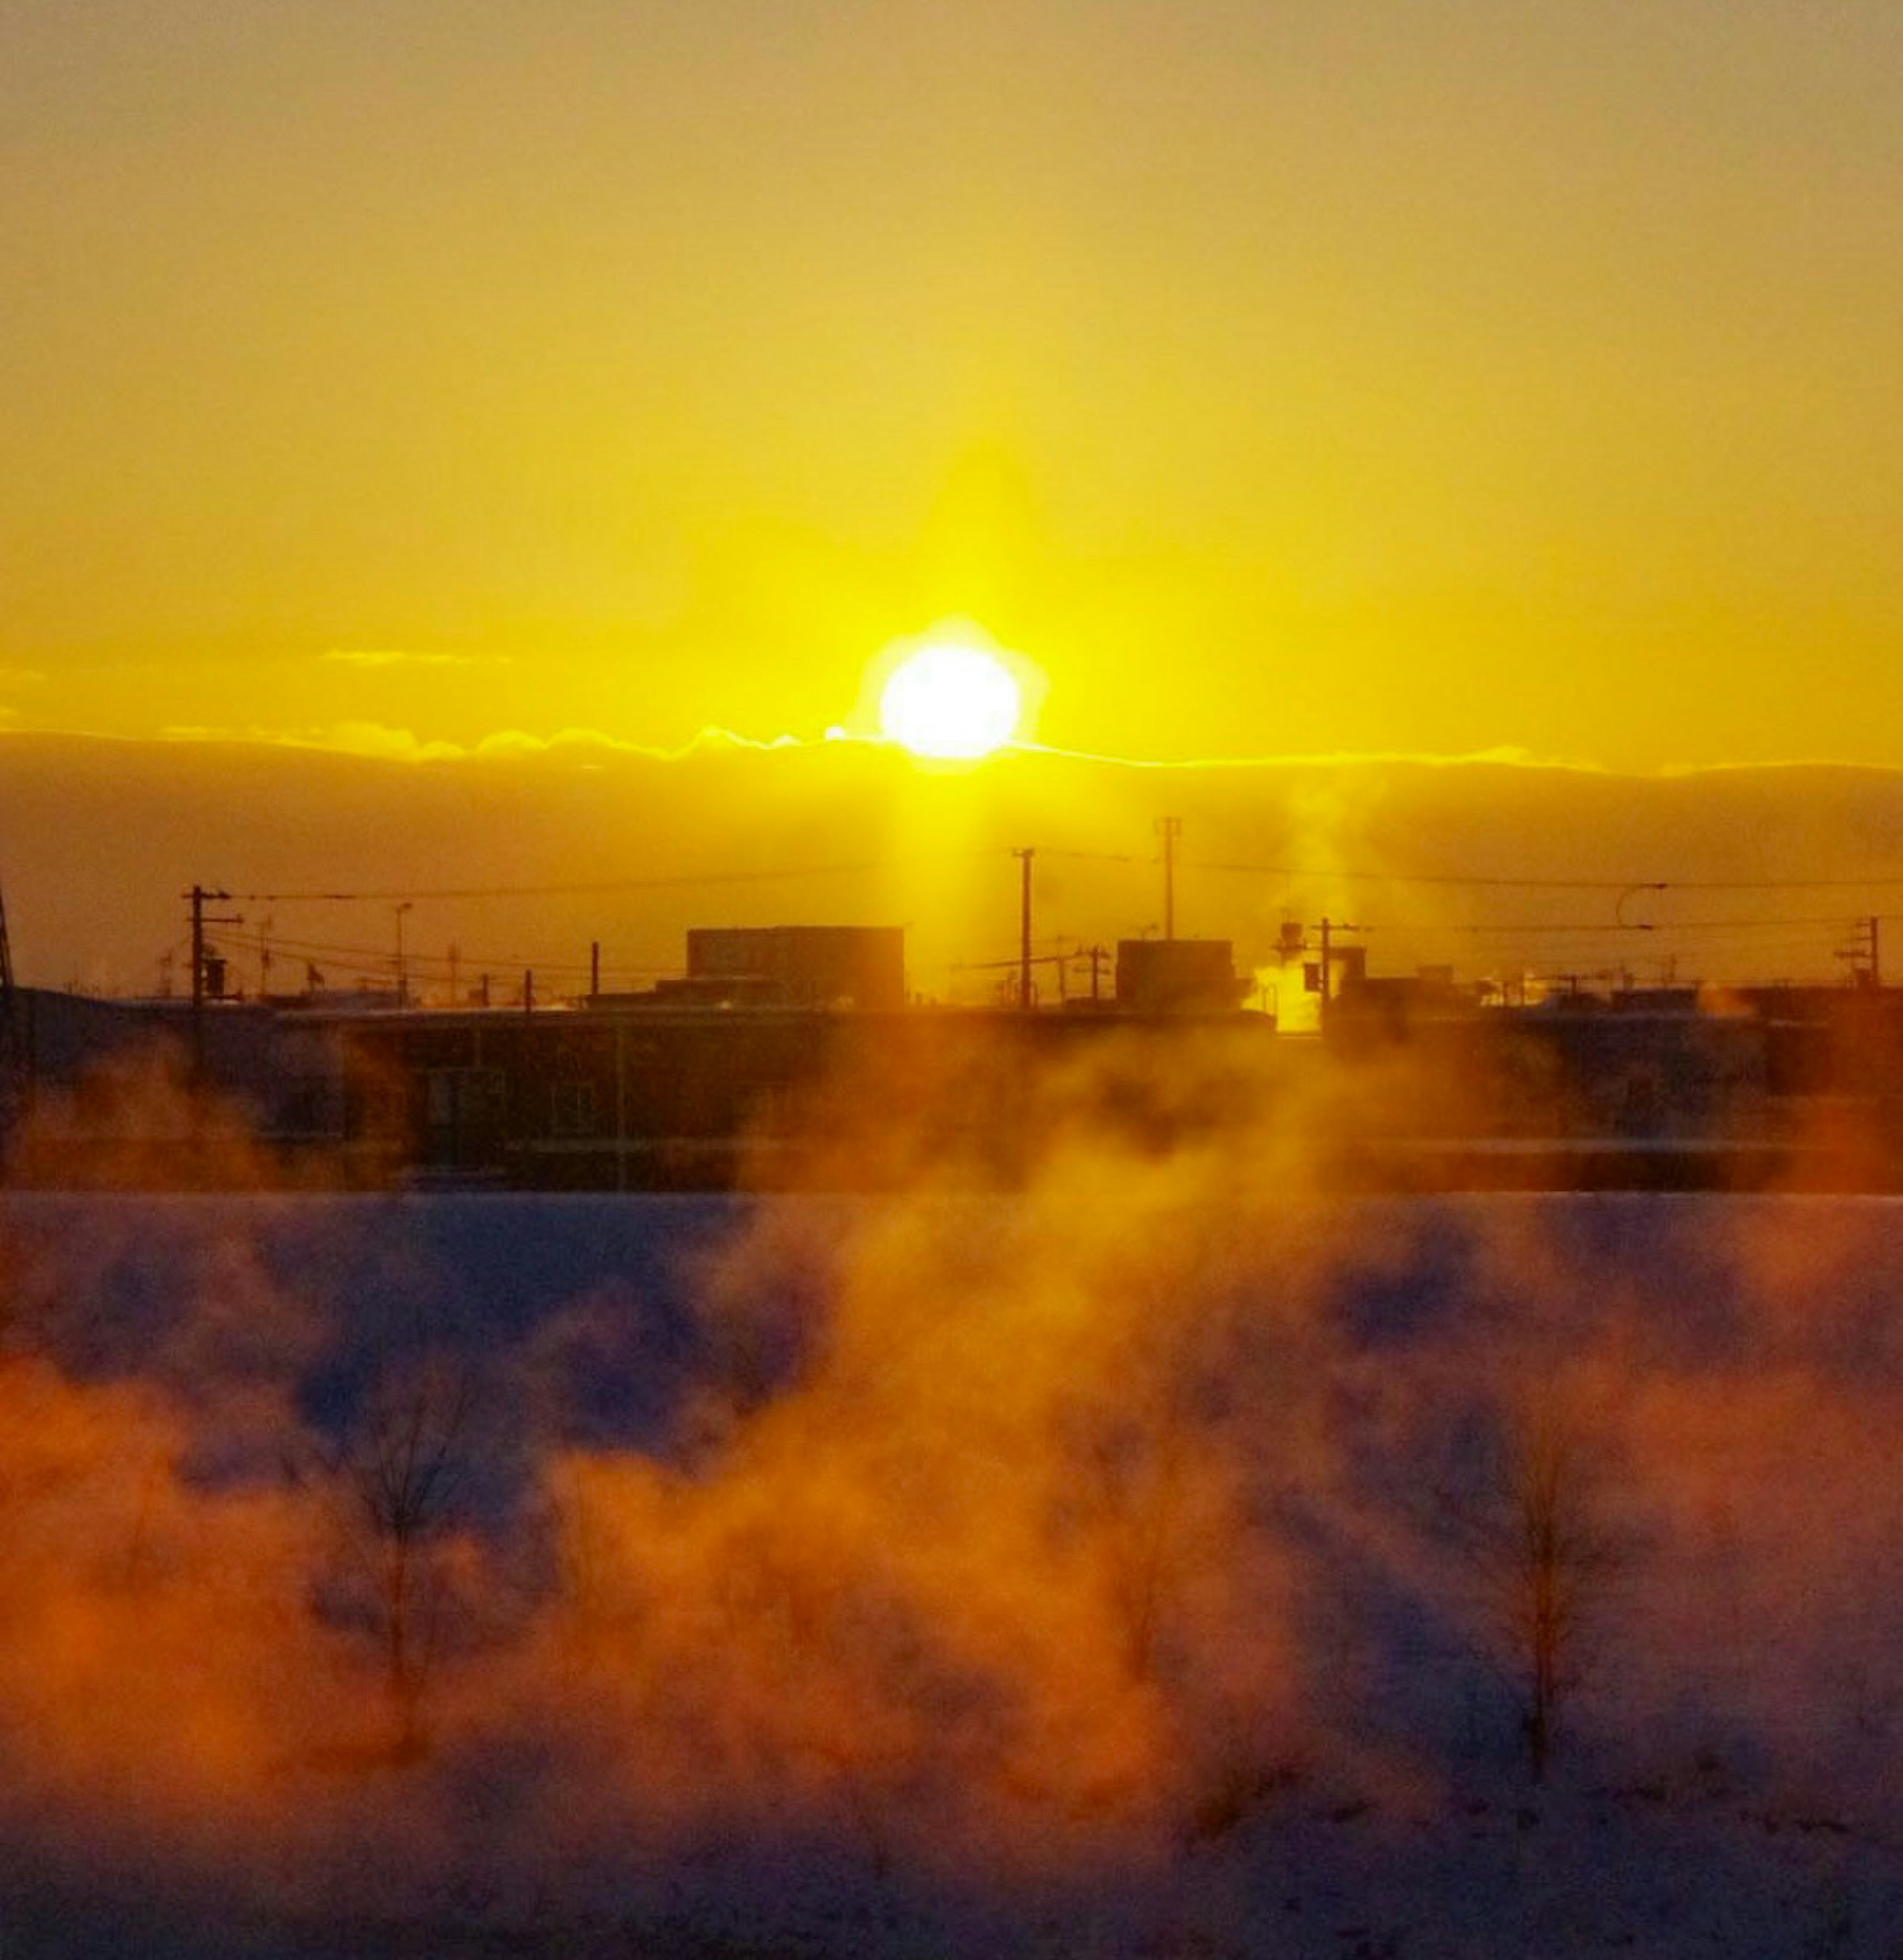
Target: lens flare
x,y
950,703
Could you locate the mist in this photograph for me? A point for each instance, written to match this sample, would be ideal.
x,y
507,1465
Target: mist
x,y
1116,1559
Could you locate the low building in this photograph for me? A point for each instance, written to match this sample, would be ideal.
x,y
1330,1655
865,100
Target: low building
x,y
1174,976
788,1057
160,1092
841,966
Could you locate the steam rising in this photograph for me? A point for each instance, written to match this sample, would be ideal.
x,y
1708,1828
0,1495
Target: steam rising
x,y
980,1552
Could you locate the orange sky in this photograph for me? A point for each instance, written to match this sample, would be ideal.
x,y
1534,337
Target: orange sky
x,y
1281,379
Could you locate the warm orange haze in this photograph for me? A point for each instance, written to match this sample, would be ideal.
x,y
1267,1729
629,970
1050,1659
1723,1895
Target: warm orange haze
x,y
1281,380
947,979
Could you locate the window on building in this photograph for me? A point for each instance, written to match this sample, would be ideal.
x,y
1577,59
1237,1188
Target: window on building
x,y
573,1113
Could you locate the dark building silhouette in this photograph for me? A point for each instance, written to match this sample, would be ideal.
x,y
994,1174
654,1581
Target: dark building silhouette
x,y
1178,976
790,1055
854,966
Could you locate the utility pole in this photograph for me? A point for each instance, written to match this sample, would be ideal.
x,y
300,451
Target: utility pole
x,y
12,1094
1865,957
402,968
1097,956
1327,929
1169,829
594,968
200,919
1024,858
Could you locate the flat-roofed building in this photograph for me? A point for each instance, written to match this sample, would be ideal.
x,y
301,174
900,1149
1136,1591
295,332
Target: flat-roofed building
x,y
858,966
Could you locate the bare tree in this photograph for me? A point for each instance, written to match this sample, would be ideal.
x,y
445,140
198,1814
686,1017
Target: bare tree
x,y
1543,1542
398,1472
1137,1470
1145,1444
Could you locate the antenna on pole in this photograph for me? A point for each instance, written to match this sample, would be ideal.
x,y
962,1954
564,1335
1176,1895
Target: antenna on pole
x,y
1169,829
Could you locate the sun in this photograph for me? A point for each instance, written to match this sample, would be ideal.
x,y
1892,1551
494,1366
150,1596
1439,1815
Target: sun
x,y
948,702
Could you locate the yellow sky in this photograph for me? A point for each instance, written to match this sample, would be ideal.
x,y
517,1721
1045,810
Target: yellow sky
x,y
1299,378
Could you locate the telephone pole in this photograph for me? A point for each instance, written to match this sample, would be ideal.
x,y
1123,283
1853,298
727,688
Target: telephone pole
x,y
1865,957
402,964
1024,858
1169,829
1327,929
200,898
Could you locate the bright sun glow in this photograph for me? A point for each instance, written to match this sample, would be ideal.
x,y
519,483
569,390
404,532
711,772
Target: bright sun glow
x,y
950,703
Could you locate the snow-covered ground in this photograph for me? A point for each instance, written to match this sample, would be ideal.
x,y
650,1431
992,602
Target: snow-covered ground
x,y
1145,1564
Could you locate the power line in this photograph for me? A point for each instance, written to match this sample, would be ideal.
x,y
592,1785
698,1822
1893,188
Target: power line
x,y
677,882
1480,934
1631,885
1093,857
1656,927
376,959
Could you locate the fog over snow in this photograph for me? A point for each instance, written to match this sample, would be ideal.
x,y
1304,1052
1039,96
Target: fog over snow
x,y
1134,1565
